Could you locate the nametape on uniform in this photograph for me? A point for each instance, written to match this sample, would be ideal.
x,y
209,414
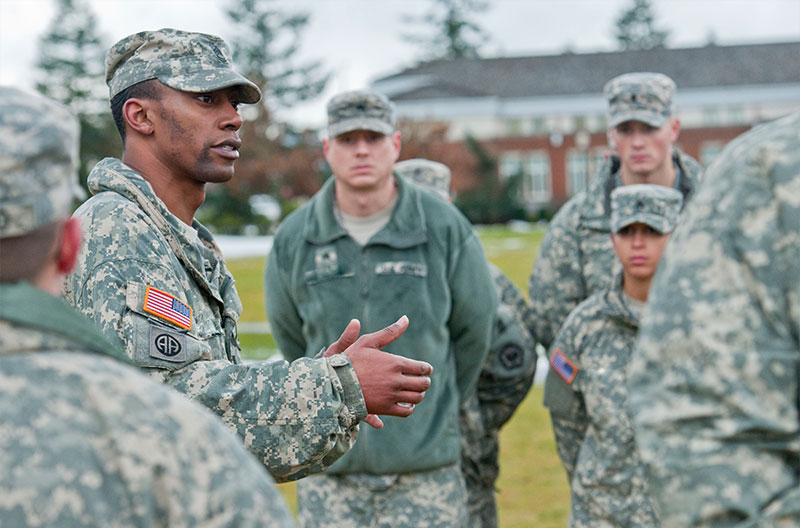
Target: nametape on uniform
x,y
167,307
563,366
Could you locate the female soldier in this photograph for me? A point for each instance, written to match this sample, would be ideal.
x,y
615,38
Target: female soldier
x,y
586,390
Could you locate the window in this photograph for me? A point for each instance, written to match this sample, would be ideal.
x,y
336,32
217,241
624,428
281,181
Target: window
x,y
510,164
535,169
577,171
537,178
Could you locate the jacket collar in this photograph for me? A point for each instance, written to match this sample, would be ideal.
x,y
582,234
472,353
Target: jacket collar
x,y
615,307
112,175
596,207
406,227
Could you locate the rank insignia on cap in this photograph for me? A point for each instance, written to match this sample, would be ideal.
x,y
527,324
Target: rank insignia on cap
x,y
167,307
563,366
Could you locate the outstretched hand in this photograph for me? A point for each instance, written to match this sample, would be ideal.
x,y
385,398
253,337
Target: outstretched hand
x,y
392,385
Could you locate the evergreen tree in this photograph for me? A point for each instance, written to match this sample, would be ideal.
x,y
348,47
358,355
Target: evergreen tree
x,y
491,201
71,64
450,30
635,28
265,47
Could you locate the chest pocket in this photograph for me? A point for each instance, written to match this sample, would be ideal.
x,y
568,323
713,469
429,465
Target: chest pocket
x,y
162,331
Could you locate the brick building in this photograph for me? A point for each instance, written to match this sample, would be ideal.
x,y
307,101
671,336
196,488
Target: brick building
x,y
544,116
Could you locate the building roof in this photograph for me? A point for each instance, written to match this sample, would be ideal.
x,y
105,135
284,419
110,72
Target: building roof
x,y
586,73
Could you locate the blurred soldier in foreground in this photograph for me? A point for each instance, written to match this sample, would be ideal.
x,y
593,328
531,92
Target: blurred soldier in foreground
x,y
154,281
585,388
372,246
715,377
86,440
576,260
506,376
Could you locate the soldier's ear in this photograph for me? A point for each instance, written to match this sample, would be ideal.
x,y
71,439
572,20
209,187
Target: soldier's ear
x,y
137,115
70,246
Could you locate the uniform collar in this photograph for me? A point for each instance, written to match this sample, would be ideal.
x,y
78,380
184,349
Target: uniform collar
x,y
596,206
112,175
406,227
615,306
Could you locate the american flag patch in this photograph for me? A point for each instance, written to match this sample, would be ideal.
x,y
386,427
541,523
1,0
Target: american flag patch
x,y
563,366
167,307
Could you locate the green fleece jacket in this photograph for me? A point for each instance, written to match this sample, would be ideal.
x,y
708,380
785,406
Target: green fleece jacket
x,y
426,263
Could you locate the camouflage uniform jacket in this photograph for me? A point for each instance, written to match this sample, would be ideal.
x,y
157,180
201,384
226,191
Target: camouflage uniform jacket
x,y
504,382
593,431
426,263
576,259
88,441
715,378
138,258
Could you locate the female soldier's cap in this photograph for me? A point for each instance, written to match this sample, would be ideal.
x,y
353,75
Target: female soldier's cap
x,y
654,205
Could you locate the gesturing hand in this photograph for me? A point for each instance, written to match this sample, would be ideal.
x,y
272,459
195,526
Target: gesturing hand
x,y
387,381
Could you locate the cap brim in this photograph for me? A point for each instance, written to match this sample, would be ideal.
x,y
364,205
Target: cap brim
x,y
211,80
655,120
659,223
375,125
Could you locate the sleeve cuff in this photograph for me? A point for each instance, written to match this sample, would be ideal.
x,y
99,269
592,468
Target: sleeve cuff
x,y
355,408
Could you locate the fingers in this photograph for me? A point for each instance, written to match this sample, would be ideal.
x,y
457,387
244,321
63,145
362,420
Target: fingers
x,y
411,397
400,410
348,337
413,384
383,337
374,421
413,367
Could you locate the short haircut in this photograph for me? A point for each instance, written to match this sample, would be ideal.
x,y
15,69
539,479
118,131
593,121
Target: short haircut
x,y
149,89
23,257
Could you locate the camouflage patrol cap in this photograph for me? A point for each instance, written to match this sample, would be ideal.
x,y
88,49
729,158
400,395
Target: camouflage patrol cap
x,y
189,62
38,161
430,175
360,110
654,205
641,96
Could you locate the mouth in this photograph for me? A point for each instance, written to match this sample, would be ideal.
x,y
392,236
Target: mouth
x,y
228,149
638,260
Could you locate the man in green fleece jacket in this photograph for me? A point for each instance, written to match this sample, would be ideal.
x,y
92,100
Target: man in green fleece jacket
x,y
371,246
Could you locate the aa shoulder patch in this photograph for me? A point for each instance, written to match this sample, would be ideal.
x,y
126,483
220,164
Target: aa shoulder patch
x,y
167,345
167,307
563,366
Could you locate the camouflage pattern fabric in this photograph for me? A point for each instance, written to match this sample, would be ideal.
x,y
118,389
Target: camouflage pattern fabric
x,y
428,499
586,393
715,378
161,292
360,110
38,161
641,96
654,205
576,259
430,175
505,380
189,62
88,441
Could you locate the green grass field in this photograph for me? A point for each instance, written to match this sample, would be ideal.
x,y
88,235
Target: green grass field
x,y
532,488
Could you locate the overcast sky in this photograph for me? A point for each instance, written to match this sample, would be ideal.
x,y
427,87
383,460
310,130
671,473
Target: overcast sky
x,y
360,40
